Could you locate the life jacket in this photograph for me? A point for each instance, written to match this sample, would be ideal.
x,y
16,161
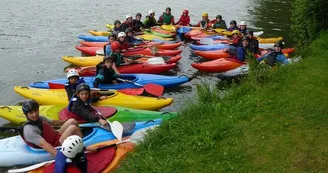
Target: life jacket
x,y
244,32
119,58
73,99
124,45
184,20
220,25
204,24
234,28
107,49
128,24
151,22
167,18
51,135
242,53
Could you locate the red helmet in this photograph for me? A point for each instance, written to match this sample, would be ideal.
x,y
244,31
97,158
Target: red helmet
x,y
115,45
185,12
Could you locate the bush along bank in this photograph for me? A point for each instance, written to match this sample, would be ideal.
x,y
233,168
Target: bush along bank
x,y
275,121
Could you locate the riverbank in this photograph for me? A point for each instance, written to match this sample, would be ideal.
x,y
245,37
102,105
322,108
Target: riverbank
x,y
274,121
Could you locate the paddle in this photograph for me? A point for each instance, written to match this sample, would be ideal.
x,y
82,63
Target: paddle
x,y
154,89
134,138
128,91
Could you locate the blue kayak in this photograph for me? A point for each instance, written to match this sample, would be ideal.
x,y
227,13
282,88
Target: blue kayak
x,y
183,30
92,38
165,41
210,47
165,81
14,151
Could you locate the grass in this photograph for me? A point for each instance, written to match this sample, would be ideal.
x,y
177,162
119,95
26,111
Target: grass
x,y
274,121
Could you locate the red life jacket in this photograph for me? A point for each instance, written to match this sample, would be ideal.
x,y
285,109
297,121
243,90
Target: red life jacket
x,y
184,20
127,23
48,133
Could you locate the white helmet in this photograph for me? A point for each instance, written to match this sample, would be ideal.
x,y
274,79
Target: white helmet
x,y
121,34
128,16
151,11
242,23
72,73
71,146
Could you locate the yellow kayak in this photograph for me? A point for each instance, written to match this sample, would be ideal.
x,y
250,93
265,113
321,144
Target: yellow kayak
x,y
99,33
110,26
269,40
59,97
170,28
83,61
150,37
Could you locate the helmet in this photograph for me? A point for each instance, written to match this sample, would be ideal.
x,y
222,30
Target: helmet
x,y
250,32
117,22
218,17
115,45
138,14
168,8
121,34
205,15
82,87
242,23
233,22
279,44
186,12
128,30
128,16
235,32
29,105
245,38
72,73
151,11
71,146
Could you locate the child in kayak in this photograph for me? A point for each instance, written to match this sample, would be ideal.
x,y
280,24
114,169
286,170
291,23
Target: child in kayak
x,y
205,23
37,131
184,19
130,38
253,42
137,24
150,19
105,74
236,37
233,26
107,48
219,23
117,27
166,18
121,38
74,80
244,49
272,58
80,105
127,23
117,57
243,27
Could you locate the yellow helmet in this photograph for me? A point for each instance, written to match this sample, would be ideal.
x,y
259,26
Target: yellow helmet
x,y
235,32
205,15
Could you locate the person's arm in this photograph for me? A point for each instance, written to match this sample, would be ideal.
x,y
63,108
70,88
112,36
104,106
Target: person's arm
x,y
262,57
224,25
177,23
84,113
160,20
282,59
46,146
146,22
172,20
69,91
240,54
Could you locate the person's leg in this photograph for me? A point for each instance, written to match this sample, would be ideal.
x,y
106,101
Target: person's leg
x,y
96,82
70,130
69,122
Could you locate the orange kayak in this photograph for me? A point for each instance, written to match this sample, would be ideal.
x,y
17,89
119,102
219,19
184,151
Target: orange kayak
x,y
159,45
218,66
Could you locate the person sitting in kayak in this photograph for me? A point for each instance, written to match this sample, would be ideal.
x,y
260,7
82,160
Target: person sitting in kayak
x,y
138,26
236,38
117,27
74,80
130,38
117,58
37,131
166,18
107,48
184,19
244,49
71,156
80,104
233,26
272,58
253,42
243,27
105,73
219,23
205,23
150,19
127,23
121,38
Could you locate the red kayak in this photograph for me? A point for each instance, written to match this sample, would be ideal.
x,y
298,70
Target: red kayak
x,y
138,51
159,45
219,65
134,68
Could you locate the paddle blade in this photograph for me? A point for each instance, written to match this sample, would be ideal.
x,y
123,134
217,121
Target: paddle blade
x,y
56,85
132,91
206,41
117,129
156,60
154,89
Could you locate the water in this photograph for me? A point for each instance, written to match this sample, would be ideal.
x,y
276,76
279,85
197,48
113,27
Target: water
x,y
35,34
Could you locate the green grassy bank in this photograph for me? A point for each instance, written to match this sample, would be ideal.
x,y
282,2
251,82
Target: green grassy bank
x,y
274,121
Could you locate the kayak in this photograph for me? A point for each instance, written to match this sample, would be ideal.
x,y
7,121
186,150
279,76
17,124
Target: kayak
x,y
149,37
183,29
159,45
59,97
242,70
94,60
261,40
92,51
99,33
171,28
210,47
214,37
219,65
92,38
143,79
145,68
21,154
15,115
159,32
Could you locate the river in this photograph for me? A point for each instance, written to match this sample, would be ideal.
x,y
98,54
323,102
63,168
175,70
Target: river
x,y
35,34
